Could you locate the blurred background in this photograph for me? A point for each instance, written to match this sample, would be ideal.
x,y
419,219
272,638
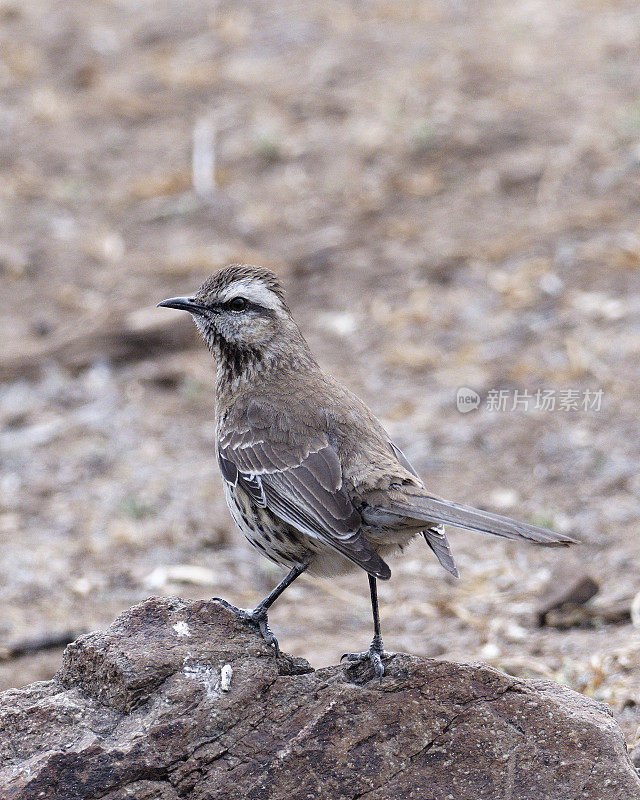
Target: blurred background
x,y
450,193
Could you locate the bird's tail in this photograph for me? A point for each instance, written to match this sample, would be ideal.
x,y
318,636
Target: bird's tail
x,y
437,541
434,510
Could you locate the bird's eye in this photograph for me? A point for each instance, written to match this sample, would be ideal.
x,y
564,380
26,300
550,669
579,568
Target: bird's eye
x,y
237,304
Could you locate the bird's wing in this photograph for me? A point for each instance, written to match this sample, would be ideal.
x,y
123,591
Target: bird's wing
x,y
434,535
300,484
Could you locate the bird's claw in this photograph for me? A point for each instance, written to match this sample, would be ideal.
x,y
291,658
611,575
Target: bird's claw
x,y
373,655
257,618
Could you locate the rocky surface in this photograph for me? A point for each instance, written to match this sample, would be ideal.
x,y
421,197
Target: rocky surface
x,y
178,700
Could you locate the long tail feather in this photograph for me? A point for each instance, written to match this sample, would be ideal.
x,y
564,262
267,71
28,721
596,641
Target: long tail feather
x,y
437,541
431,509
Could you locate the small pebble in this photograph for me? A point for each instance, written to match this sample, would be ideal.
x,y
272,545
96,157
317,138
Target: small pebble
x,y
226,673
181,628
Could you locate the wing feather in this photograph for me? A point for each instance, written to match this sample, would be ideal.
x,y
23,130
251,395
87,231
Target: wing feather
x,y
302,485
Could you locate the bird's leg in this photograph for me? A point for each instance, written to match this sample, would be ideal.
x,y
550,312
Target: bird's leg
x,y
376,651
258,617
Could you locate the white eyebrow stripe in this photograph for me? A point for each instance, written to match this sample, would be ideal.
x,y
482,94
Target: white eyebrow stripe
x,y
253,291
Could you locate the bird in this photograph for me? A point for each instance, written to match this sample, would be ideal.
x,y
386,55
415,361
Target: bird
x,y
310,475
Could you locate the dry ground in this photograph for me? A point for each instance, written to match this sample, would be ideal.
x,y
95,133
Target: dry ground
x,y
450,191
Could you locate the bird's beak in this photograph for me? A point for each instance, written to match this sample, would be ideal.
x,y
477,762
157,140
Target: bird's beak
x,y
184,304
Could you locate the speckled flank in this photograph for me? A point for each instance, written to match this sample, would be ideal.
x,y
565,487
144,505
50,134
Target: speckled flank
x,y
276,539
262,530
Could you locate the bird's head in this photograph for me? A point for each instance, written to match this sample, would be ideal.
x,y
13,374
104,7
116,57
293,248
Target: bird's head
x,y
242,316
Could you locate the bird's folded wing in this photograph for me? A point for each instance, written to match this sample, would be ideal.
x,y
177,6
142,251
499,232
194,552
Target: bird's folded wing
x,y
303,487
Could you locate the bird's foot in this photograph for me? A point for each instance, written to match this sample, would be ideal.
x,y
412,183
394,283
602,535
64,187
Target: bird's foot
x,y
257,619
373,655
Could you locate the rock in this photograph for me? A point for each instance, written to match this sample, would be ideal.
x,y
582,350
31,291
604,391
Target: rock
x,y
138,713
570,594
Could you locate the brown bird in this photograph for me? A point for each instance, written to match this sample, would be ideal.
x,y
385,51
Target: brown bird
x,y
310,475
